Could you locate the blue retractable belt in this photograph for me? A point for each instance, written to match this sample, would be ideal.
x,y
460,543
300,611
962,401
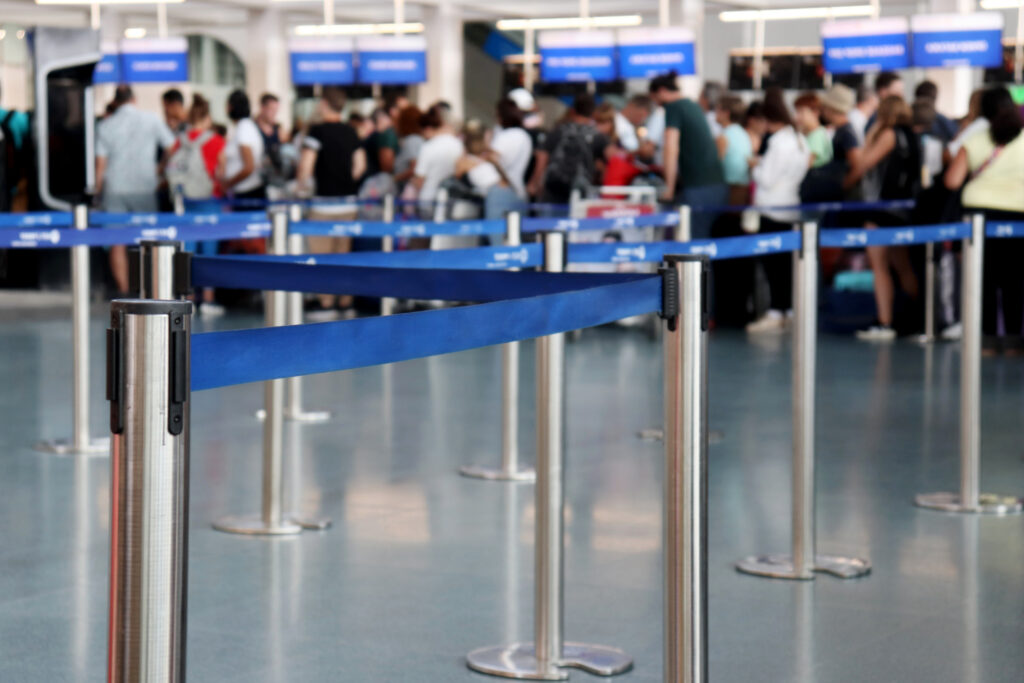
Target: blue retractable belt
x,y
658,220
919,234
105,237
478,258
102,218
54,219
398,228
1003,229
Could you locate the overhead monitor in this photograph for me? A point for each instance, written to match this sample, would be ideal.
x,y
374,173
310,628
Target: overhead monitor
x,y
862,46
576,56
952,40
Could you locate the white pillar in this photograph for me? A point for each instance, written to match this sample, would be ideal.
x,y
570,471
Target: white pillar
x,y
956,84
267,60
445,60
692,14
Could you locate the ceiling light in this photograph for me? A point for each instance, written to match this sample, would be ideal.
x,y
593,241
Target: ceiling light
x,y
107,2
836,12
20,34
1001,4
136,32
3,34
356,29
569,22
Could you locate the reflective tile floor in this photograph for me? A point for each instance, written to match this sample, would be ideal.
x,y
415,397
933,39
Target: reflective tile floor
x,y
423,566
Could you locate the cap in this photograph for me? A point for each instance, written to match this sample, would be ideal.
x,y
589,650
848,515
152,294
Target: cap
x,y
523,99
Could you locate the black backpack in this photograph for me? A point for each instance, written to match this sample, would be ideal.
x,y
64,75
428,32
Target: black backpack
x,y
901,177
571,164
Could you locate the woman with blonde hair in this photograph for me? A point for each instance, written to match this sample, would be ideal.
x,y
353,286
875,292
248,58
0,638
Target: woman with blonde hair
x,y
889,168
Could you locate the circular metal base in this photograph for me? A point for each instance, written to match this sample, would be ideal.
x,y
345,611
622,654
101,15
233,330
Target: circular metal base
x,y
519,661
303,416
658,434
491,474
781,567
253,525
95,447
988,503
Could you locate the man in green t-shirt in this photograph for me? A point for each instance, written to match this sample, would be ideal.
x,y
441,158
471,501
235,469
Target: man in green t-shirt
x,y
693,170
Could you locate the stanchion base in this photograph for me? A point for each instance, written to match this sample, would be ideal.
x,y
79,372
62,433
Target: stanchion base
x,y
519,661
253,525
491,474
781,567
304,416
988,503
658,434
95,447
924,339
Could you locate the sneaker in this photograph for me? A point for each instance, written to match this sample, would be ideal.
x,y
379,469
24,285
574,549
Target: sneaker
x,y
317,313
953,332
877,333
770,322
209,309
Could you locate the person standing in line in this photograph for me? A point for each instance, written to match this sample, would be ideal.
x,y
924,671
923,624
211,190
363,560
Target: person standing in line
x,y
777,177
332,161
693,173
242,174
633,115
410,140
513,149
808,121
272,163
533,124
175,115
837,104
974,122
570,156
437,157
864,109
887,84
942,129
992,164
735,148
708,101
127,146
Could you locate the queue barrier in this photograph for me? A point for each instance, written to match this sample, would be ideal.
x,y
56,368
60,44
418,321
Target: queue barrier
x,y
154,364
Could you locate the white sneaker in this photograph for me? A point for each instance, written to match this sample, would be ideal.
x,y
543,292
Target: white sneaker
x,y
209,309
322,315
877,333
770,322
953,332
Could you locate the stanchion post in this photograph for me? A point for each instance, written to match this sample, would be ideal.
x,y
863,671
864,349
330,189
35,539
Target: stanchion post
x,y
928,336
804,561
547,657
293,385
509,470
80,442
683,229
148,390
155,273
970,498
686,471
387,244
272,520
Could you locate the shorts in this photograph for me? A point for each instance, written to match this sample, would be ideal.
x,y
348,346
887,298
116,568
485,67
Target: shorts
x,y
130,202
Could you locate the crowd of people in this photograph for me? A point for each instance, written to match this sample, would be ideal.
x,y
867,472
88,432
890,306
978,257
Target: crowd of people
x,y
718,151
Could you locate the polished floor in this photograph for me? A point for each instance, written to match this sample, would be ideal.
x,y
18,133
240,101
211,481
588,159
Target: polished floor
x,y
422,565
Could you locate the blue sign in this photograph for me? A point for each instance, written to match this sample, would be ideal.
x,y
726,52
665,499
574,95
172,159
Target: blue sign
x,y
154,67
959,48
322,68
574,64
860,54
648,61
108,69
392,67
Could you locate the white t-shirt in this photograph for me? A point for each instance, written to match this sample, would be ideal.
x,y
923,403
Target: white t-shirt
x,y
248,134
436,163
778,176
858,120
626,133
978,124
514,148
656,131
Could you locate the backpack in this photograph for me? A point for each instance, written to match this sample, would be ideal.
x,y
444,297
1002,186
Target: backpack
x,y
901,177
14,161
186,169
571,163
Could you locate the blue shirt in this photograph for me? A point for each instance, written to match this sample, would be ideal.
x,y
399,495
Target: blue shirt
x,y
18,125
738,151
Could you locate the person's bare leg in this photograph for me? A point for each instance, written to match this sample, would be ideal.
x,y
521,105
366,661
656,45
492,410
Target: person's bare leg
x,y
322,245
879,260
899,257
343,245
119,267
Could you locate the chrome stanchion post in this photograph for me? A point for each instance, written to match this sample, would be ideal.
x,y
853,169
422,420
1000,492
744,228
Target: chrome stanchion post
x,y
387,244
683,230
547,657
970,498
686,471
156,270
293,385
272,521
80,442
804,561
509,470
148,388
928,336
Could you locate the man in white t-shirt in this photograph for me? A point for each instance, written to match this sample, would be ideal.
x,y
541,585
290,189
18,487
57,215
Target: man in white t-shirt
x,y
867,104
513,145
243,155
437,157
633,116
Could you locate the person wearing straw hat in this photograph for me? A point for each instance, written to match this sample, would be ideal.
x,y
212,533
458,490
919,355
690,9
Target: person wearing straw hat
x,y
825,183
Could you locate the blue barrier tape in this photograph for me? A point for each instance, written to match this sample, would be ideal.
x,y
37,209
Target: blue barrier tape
x,y
56,219
107,237
1003,229
221,359
166,219
818,207
719,249
912,234
411,283
659,220
398,228
479,258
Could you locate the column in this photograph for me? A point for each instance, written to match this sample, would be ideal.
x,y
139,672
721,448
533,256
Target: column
x,y
445,60
692,16
266,60
955,85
